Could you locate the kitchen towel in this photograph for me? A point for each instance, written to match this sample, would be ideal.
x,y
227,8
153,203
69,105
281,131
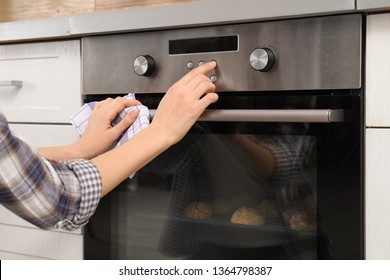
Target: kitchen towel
x,y
81,117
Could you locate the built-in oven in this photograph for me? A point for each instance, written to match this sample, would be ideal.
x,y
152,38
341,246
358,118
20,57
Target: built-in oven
x,y
273,170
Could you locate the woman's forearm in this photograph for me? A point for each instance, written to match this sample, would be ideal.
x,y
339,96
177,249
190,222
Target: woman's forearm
x,y
119,163
59,153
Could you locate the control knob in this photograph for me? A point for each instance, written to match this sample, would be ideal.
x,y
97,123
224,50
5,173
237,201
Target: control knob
x,y
262,59
144,65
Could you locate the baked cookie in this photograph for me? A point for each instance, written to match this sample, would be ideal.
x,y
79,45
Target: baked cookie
x,y
198,210
247,216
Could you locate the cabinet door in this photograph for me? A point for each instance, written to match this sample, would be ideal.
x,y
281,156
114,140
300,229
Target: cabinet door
x,y
378,71
377,194
40,243
50,77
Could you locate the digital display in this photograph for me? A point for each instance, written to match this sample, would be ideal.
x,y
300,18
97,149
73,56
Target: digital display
x,y
204,45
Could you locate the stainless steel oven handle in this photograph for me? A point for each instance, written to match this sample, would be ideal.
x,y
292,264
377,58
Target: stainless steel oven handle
x,y
277,115
11,83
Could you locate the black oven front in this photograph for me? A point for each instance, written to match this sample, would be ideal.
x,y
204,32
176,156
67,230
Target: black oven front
x,y
273,170
256,189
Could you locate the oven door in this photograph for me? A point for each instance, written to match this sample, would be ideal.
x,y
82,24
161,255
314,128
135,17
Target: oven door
x,y
257,177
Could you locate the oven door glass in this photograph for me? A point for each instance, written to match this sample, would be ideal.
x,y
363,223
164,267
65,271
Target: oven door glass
x,y
243,190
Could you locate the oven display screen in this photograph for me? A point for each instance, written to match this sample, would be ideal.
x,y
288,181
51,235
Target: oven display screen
x,y
204,45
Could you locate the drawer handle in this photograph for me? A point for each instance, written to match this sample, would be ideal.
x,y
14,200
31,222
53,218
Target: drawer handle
x,y
11,83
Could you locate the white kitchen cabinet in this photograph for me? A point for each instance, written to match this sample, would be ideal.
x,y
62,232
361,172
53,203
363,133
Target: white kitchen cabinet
x,y
50,77
41,243
39,112
378,71
377,141
377,195
12,256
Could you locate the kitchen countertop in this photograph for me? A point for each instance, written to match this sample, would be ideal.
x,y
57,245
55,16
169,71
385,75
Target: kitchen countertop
x,y
205,12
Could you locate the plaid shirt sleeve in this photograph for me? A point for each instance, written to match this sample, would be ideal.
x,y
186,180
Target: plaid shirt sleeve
x,y
45,193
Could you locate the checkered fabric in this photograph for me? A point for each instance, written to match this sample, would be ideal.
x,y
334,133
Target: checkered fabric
x,y
45,193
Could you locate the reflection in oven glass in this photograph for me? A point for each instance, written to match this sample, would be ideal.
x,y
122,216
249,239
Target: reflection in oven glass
x,y
221,196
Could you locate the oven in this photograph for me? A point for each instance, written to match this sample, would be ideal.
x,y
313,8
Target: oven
x,y
273,170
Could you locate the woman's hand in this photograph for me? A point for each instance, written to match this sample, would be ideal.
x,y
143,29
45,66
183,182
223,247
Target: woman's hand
x,y
100,135
184,102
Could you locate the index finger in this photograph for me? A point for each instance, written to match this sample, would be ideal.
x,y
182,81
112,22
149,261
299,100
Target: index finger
x,y
203,69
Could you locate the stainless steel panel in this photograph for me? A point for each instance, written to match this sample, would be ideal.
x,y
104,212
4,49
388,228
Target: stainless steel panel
x,y
311,54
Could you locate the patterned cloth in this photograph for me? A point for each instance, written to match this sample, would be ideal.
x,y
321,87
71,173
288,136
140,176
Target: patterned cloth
x,y
45,193
81,117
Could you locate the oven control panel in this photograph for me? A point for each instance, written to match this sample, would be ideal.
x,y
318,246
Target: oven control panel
x,y
296,54
261,59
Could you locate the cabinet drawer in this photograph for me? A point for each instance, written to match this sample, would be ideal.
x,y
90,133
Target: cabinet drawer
x,y
378,71
44,135
50,73
40,243
377,194
13,256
